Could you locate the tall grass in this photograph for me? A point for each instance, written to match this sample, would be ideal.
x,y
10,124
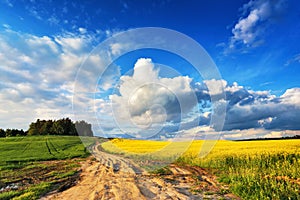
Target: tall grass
x,y
254,169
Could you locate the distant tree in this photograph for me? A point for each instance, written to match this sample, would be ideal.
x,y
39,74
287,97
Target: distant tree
x,y
83,128
33,128
40,127
46,128
69,127
22,133
2,133
57,128
8,132
16,132
63,126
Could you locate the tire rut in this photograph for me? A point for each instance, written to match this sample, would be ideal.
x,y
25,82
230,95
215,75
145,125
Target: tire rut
x,y
116,178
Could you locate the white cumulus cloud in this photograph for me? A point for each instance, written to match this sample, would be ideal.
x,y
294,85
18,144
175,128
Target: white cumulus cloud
x,y
147,100
257,16
37,75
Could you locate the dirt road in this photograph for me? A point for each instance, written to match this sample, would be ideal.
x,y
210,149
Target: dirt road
x,y
114,177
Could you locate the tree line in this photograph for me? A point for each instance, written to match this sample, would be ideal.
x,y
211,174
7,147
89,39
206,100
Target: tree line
x,y
63,126
278,138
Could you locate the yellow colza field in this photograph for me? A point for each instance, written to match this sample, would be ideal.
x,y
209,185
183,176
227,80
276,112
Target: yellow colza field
x,y
267,169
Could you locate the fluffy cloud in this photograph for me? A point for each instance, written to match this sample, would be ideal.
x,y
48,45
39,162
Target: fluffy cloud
x,y
215,87
252,113
291,97
37,81
246,110
37,75
147,101
257,15
250,109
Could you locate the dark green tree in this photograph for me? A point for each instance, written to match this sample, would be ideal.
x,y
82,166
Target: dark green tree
x,y
9,133
33,129
17,132
2,133
63,126
69,127
57,128
46,128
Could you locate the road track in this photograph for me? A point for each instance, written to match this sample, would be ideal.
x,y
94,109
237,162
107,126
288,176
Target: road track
x,y
112,177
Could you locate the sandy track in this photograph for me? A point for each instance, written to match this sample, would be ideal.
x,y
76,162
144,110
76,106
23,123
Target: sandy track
x,y
114,177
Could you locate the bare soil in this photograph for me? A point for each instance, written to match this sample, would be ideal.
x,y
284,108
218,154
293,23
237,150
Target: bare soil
x,y
114,177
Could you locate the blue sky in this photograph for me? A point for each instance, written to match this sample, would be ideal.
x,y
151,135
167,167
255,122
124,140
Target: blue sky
x,y
254,44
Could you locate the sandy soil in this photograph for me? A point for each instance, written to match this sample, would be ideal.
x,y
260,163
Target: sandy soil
x,y
114,177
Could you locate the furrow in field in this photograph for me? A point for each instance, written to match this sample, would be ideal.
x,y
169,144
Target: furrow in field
x,y
48,148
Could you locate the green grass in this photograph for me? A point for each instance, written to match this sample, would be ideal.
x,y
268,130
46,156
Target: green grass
x,y
35,148
39,164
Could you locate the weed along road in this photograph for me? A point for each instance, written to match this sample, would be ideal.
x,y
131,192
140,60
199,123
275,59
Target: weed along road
x,y
107,176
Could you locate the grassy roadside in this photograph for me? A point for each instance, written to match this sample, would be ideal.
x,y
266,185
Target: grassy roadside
x,y
254,169
33,166
30,180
